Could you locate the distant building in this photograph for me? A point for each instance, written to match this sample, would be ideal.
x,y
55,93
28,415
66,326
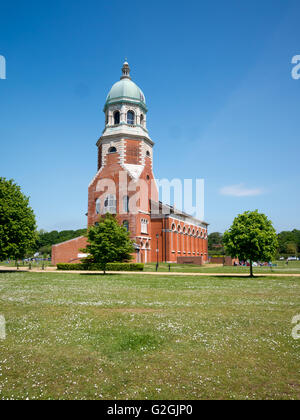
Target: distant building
x,y
124,185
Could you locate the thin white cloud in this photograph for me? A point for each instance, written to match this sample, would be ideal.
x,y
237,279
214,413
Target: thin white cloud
x,y
240,190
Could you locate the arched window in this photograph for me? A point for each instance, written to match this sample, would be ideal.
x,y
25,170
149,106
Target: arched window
x,y
130,117
141,119
144,226
98,206
125,204
173,227
148,153
110,204
126,225
112,150
117,117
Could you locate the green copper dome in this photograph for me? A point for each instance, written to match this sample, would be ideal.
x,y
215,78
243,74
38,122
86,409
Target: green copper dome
x,y
125,90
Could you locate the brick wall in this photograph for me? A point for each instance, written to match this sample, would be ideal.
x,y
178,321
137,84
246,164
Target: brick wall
x,y
67,252
190,260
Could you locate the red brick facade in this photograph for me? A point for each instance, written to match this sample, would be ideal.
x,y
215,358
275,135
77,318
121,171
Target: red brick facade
x,y
69,251
125,185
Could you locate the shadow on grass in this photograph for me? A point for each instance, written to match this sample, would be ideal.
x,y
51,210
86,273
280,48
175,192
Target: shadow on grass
x,y
98,274
228,276
12,271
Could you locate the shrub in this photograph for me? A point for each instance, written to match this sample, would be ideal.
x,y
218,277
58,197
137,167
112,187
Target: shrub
x,y
63,266
97,267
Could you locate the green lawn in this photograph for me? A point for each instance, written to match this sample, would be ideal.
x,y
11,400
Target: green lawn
x,y
142,336
292,268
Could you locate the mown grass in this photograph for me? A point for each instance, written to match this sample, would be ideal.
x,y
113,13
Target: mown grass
x,y
76,336
281,268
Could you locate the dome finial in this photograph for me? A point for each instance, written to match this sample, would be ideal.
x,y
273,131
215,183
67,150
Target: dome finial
x,y
125,70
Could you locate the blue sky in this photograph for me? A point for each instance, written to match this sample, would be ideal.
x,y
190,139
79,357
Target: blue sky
x,y
217,78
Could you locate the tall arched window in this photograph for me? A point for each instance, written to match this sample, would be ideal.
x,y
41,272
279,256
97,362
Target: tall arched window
x,y
110,204
98,206
144,226
130,117
117,117
126,204
178,239
142,119
126,225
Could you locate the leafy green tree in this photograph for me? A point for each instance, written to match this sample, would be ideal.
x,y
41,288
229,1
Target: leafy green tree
x,y
286,238
108,242
45,250
291,248
251,237
17,222
215,241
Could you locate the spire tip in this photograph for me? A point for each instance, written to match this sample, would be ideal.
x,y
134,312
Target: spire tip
x,y
125,70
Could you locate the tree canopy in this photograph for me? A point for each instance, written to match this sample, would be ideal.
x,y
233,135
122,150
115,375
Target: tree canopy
x,y
17,222
108,242
215,242
289,242
251,237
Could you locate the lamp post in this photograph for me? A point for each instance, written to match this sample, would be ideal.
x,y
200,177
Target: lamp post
x,y
157,251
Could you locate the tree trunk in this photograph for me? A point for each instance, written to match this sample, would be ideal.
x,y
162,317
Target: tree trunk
x,y
251,269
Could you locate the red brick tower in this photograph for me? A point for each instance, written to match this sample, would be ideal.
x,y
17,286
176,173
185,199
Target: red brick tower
x,y
124,183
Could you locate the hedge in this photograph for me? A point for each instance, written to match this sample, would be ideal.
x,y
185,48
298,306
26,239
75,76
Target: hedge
x,y
97,267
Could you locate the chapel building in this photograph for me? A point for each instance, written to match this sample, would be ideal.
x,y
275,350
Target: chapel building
x,y
124,185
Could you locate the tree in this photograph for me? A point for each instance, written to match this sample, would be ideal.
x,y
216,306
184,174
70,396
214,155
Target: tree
x,y
108,242
215,241
45,250
17,222
291,248
286,238
251,237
